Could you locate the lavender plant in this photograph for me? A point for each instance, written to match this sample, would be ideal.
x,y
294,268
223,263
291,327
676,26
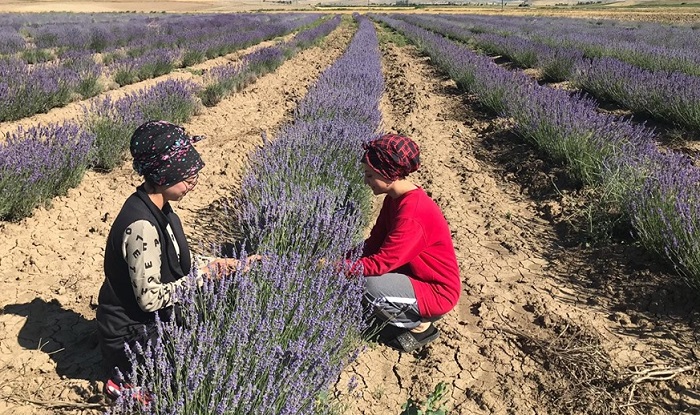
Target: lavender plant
x,y
221,81
274,357
650,46
313,166
133,48
309,37
33,89
11,41
39,163
665,213
568,128
225,79
571,131
669,96
35,55
153,63
88,72
322,147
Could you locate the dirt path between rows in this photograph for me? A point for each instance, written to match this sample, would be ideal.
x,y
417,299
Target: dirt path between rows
x,y
51,267
542,327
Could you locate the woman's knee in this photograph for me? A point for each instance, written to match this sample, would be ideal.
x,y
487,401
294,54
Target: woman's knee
x,y
372,287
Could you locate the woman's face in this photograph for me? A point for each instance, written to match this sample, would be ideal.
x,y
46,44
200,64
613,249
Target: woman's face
x,y
176,192
378,183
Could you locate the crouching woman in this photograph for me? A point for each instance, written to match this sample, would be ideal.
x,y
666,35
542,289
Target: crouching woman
x,y
409,262
147,255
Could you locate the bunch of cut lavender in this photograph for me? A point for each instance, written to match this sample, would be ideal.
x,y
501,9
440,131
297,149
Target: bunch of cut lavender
x,y
113,122
40,163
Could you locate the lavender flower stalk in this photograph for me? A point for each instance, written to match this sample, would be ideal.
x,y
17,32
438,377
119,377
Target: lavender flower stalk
x,y
39,163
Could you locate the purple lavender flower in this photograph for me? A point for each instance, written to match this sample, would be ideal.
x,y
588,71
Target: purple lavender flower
x,y
40,163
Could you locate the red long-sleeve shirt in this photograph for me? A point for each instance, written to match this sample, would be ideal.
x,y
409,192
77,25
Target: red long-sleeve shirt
x,y
412,237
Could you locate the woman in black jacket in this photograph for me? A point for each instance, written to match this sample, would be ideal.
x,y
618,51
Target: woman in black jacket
x,y
147,256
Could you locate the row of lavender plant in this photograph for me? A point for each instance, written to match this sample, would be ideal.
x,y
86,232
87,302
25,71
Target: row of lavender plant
x,y
272,340
556,63
225,79
54,35
668,96
39,163
112,122
656,190
649,46
31,89
145,63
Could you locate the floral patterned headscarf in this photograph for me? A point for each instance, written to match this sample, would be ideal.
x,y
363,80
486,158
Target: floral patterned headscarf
x,y
163,153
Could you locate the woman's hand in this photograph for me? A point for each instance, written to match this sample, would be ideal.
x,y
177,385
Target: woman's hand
x,y
224,266
250,260
219,267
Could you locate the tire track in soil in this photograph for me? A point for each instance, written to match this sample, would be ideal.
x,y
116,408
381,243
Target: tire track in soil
x,y
51,266
519,282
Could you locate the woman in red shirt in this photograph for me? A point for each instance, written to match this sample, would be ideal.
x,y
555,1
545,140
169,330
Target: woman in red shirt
x,y
412,276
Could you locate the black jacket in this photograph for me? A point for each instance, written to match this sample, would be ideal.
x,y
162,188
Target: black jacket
x,y
119,317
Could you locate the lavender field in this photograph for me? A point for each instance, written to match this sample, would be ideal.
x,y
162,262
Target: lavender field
x,y
544,140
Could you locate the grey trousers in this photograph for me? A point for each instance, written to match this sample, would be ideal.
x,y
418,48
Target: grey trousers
x,y
393,300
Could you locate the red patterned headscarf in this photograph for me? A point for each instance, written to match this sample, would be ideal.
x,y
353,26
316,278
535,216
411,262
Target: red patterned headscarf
x,y
393,156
